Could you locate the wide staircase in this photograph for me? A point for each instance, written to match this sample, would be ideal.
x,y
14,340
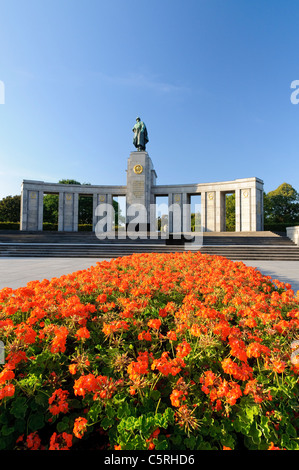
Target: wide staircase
x,y
232,245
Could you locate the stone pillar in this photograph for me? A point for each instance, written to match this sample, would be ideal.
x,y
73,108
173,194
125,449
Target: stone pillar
x,y
68,212
40,216
32,210
24,207
211,211
111,215
140,178
186,213
203,211
98,199
170,213
237,210
245,210
259,212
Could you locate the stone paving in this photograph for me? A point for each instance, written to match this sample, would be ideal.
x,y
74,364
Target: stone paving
x,y
16,272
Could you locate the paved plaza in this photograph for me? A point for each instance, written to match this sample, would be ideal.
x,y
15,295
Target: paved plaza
x,y
16,272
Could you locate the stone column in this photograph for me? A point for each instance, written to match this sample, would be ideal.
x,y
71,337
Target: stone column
x,y
211,211
40,215
98,199
24,209
186,213
32,210
259,211
111,215
245,204
68,212
170,213
203,211
238,210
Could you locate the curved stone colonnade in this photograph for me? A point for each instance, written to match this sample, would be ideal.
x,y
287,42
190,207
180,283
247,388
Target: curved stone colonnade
x,y
142,190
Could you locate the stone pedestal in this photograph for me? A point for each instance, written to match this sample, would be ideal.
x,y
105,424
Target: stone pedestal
x,y
141,176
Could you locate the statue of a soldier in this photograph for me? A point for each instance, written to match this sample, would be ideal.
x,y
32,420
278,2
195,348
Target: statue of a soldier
x,y
140,135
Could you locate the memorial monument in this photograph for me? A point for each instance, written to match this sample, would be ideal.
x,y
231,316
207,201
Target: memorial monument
x,y
140,135
141,191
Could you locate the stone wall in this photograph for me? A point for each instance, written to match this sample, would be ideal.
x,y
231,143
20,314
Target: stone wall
x,y
293,234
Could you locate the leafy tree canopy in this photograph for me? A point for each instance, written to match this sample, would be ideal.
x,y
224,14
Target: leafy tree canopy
x,y
10,209
282,205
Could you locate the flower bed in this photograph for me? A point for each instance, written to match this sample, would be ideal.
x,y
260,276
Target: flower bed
x,y
173,351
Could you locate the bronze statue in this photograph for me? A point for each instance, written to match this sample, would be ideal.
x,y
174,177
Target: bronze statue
x,y
140,135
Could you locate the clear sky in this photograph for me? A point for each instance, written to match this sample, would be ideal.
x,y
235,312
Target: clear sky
x,y
210,78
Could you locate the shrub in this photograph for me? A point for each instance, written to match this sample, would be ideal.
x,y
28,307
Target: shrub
x,y
150,351
9,225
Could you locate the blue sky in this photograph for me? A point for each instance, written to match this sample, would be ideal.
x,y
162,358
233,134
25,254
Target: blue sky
x,y
210,78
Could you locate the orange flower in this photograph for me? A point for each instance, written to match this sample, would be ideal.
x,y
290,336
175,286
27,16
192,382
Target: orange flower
x,y
154,323
101,298
80,425
61,441
278,366
171,335
183,349
7,391
58,343
145,335
273,447
256,349
176,396
6,375
73,369
83,333
33,441
60,405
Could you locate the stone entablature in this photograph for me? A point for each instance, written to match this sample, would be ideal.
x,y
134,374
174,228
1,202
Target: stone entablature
x,y
141,189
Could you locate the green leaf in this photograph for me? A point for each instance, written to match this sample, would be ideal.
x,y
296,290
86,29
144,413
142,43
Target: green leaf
x,y
107,422
110,411
255,433
36,422
62,427
160,445
94,412
155,395
291,431
123,410
190,442
19,407
7,430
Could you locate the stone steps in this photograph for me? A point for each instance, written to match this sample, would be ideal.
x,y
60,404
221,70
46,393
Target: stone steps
x,y
112,251
244,246
208,238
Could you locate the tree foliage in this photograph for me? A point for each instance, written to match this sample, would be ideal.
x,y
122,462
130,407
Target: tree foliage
x,y
10,209
282,205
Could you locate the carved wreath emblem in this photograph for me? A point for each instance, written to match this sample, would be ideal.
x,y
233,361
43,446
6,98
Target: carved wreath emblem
x,y
138,169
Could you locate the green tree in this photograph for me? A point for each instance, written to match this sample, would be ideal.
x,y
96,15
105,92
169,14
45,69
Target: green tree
x,y
10,209
51,208
230,209
281,206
